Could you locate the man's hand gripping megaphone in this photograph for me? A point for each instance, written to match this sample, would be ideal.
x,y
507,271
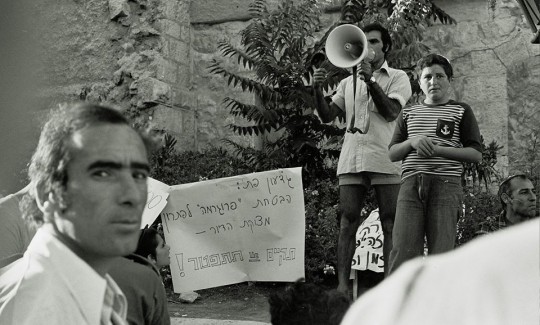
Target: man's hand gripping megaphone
x,y
364,71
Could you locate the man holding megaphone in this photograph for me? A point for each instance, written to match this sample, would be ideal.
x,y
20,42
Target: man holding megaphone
x,y
370,104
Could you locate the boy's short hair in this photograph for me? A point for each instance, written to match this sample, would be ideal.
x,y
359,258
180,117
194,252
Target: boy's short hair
x,y
432,59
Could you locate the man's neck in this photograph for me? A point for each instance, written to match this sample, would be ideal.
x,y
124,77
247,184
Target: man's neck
x,y
100,264
376,65
514,218
428,101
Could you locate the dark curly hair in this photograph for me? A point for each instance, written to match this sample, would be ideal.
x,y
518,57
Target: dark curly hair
x,y
307,304
148,242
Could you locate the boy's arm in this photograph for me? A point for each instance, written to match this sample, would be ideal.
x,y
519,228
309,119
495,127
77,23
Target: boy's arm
x,y
469,137
399,146
467,154
422,144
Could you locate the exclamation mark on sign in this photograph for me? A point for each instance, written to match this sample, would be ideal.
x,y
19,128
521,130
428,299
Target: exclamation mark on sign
x,y
180,261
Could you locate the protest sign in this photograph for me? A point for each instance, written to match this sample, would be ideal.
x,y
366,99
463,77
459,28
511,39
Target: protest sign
x,y
155,202
369,245
243,228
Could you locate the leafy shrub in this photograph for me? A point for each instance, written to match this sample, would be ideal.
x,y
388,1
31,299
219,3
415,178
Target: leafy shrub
x,y
172,168
481,209
321,203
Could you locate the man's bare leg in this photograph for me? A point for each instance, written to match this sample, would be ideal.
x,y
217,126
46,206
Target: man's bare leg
x,y
351,201
387,200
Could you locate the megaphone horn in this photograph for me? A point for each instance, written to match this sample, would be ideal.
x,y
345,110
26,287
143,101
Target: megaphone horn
x,y
346,46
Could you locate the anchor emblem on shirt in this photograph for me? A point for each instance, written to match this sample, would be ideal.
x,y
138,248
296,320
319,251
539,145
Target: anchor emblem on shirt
x,y
445,130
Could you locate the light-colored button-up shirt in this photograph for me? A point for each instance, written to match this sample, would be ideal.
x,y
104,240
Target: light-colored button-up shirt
x,y
15,235
52,285
491,280
369,152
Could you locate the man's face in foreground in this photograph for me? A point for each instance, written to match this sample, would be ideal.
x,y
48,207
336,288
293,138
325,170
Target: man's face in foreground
x,y
106,191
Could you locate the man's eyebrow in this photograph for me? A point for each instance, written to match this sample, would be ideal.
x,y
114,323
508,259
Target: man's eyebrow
x,y
117,165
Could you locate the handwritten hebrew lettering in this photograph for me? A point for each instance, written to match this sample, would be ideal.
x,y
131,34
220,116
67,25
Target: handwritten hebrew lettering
x,y
249,184
154,200
281,254
177,215
275,200
258,221
195,264
230,257
278,180
234,229
206,261
214,260
180,262
254,257
220,208
203,261
369,242
221,228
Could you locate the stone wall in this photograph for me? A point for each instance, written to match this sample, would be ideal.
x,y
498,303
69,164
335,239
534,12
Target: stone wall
x,y
133,54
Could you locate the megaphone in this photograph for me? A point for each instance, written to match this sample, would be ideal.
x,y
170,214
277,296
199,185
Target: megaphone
x,y
346,46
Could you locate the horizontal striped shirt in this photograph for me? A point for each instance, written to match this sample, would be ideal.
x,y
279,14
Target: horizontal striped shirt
x,y
449,125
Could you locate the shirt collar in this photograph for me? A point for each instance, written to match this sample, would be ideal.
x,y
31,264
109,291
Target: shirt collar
x,y
114,300
383,68
86,285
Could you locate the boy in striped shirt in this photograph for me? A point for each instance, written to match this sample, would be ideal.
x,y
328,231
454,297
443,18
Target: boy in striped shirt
x,y
432,139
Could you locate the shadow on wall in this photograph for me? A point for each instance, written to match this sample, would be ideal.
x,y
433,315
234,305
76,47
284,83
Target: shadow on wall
x,y
19,129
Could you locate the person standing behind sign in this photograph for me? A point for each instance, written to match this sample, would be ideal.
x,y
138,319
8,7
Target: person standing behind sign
x,y
138,276
433,139
363,161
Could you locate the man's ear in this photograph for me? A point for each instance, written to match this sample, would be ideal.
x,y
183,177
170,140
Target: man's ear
x,y
45,202
506,198
151,258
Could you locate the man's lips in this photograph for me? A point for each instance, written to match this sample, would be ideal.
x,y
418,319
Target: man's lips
x,y
128,224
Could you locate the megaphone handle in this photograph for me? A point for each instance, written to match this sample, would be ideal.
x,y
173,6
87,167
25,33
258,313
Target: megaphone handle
x,y
353,116
352,128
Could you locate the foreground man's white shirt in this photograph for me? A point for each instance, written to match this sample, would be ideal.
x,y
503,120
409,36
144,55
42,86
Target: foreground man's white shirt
x,y
52,285
492,280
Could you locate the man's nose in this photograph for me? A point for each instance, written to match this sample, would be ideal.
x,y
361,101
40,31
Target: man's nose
x,y
132,191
